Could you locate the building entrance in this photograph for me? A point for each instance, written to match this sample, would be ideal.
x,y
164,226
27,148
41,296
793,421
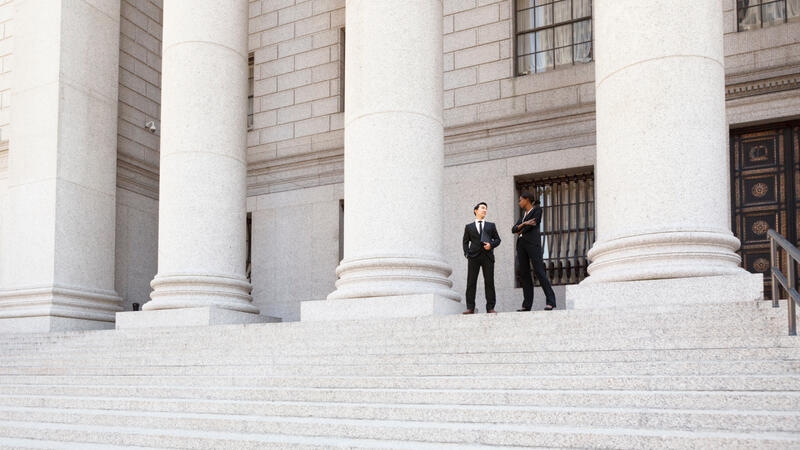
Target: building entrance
x,y
765,183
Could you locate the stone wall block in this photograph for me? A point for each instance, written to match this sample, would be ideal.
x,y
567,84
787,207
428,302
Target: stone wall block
x,y
476,17
477,55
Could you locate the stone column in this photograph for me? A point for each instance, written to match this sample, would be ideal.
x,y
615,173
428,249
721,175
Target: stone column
x,y
57,251
394,164
202,216
662,174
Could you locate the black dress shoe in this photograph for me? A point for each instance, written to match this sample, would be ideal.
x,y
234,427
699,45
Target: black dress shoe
x,y
549,308
469,311
523,310
491,311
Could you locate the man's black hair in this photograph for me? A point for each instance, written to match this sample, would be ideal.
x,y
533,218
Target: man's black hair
x,y
478,205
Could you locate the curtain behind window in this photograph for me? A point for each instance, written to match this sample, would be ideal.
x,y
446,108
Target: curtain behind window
x,y
582,35
544,38
582,31
773,13
793,9
757,13
749,14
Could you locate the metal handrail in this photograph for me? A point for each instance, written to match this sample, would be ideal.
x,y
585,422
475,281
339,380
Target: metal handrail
x,y
788,281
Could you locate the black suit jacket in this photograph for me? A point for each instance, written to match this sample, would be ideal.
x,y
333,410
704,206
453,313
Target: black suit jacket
x,y
473,244
530,234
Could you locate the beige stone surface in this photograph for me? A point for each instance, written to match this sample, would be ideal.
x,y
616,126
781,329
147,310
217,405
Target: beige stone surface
x,y
662,162
186,317
202,216
137,247
379,307
58,242
496,125
647,294
296,66
393,153
295,245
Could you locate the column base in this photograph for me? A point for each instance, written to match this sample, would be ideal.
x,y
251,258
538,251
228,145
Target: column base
x,y
416,305
57,308
666,292
657,254
181,291
393,276
187,317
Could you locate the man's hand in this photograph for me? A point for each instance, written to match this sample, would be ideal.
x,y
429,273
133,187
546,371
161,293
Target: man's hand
x,y
487,246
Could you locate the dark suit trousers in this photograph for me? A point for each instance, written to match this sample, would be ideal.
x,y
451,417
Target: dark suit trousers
x,y
474,265
531,253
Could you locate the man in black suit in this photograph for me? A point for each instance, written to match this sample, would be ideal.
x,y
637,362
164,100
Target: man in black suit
x,y
480,239
529,250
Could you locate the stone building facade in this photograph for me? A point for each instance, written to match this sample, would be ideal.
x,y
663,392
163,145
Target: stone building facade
x,y
518,96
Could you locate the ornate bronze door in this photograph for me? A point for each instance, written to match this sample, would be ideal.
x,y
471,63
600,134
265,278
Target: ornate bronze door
x,y
765,180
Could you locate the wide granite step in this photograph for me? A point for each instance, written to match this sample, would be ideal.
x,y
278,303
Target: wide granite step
x,y
713,376
265,431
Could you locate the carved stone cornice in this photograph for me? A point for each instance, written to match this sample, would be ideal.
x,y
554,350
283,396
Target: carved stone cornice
x,y
137,176
519,135
481,141
317,168
761,86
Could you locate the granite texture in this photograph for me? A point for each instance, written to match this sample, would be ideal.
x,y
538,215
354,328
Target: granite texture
x,y
202,206
662,161
394,154
379,307
186,317
57,245
724,376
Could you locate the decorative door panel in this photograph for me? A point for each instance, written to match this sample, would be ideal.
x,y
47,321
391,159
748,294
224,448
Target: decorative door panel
x,y
795,171
765,184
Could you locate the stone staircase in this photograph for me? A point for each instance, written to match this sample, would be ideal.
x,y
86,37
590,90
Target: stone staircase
x,y
714,376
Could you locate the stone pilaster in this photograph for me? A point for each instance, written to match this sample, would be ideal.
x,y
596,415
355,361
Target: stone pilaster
x,y
202,215
394,163
57,251
662,174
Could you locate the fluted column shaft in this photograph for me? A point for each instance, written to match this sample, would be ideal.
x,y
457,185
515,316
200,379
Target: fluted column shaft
x,y
663,199
394,151
202,215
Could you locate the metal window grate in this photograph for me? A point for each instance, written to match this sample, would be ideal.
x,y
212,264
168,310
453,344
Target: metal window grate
x,y
250,90
568,226
249,245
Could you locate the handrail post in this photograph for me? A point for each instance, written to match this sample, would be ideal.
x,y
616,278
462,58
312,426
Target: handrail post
x,y
788,281
773,257
790,275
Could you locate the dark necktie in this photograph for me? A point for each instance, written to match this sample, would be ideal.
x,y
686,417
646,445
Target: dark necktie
x,y
480,228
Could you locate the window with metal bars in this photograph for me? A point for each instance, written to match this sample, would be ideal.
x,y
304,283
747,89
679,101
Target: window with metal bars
x,y
754,14
249,245
250,90
552,33
567,226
